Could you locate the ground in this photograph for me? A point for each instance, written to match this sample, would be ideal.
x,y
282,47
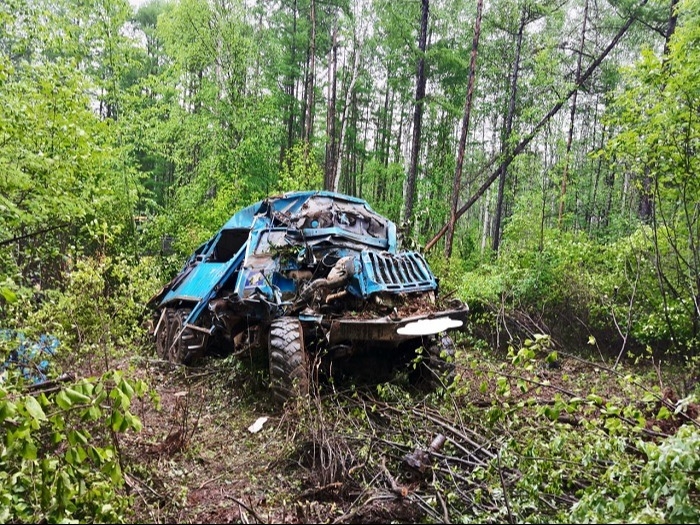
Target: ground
x,y
337,457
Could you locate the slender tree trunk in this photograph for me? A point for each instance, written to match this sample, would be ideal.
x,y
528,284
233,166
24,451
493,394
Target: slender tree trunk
x,y
457,182
290,88
671,27
385,134
520,147
572,116
353,159
594,198
399,137
417,115
505,143
365,132
486,223
344,118
308,120
388,127
331,150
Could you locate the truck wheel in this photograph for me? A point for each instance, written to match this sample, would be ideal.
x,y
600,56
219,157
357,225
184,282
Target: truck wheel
x,y
437,369
189,345
163,336
289,369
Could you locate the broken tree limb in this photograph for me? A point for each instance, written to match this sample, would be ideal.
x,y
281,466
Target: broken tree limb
x,y
35,233
508,157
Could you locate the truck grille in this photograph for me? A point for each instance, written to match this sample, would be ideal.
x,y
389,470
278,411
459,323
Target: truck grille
x,y
406,272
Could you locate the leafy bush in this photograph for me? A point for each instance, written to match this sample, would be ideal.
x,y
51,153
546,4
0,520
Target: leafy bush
x,y
59,452
100,310
665,491
576,285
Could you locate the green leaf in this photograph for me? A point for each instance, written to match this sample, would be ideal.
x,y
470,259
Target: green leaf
x,y
29,450
552,412
76,397
664,413
116,420
7,410
63,401
9,295
34,409
594,398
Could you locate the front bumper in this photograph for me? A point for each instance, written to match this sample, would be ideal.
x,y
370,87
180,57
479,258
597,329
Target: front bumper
x,y
394,331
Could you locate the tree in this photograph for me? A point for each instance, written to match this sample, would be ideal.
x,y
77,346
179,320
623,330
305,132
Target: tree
x,y
504,160
457,184
657,136
417,113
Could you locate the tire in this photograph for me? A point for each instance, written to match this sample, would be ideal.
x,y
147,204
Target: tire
x,y
289,364
184,345
163,336
437,368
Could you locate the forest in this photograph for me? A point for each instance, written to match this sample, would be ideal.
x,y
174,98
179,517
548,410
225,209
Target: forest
x,y
541,154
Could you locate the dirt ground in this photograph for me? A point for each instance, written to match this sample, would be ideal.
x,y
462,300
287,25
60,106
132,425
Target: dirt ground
x,y
196,461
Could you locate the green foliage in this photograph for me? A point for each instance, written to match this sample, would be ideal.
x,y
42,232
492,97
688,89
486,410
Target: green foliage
x,y
662,491
66,181
386,187
59,452
300,171
609,288
98,314
657,135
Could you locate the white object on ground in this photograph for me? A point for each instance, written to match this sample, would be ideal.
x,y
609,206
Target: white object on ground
x,y
257,426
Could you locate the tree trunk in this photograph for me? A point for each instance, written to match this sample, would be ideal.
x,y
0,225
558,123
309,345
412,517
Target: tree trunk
x,y
417,115
671,27
498,214
385,134
457,182
344,118
572,115
291,88
308,120
331,150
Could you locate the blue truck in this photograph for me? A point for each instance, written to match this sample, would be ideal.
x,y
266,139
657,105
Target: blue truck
x,y
308,277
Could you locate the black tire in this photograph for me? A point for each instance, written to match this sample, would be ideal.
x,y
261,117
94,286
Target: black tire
x,y
289,364
185,345
163,339
437,368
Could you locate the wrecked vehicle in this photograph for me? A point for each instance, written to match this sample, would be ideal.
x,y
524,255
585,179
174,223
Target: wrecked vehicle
x,y
311,277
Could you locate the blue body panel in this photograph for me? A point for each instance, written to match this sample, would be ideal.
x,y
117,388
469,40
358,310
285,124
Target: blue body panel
x,y
198,282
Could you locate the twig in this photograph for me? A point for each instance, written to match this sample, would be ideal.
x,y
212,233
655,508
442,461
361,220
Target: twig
x,y
505,490
446,514
128,477
246,507
314,491
210,481
455,431
395,487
